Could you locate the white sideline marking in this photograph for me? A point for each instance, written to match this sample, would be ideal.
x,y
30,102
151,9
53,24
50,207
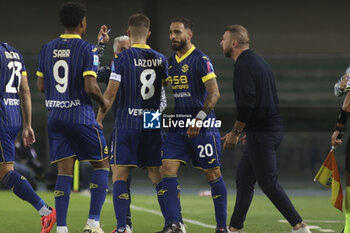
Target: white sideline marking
x,y
316,227
156,212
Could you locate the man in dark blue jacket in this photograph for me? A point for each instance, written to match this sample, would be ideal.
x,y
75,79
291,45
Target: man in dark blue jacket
x,y
257,114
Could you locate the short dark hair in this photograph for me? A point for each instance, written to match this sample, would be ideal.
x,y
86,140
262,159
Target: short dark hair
x,y
186,22
239,33
139,24
72,14
139,20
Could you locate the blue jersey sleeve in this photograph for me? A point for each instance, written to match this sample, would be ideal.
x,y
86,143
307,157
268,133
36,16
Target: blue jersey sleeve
x,y
40,71
166,68
116,69
23,71
90,61
205,68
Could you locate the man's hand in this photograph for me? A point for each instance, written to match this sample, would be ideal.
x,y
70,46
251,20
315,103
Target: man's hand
x,y
103,33
334,139
193,131
105,106
230,140
28,136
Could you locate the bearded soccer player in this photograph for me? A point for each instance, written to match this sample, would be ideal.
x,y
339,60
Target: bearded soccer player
x,y
196,92
14,94
67,75
135,85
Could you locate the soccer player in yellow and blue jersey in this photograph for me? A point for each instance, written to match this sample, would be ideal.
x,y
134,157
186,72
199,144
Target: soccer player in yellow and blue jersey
x,y
196,92
14,94
67,75
135,84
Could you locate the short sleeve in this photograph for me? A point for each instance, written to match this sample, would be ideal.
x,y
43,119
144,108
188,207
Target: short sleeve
x,y
24,69
40,70
90,61
205,68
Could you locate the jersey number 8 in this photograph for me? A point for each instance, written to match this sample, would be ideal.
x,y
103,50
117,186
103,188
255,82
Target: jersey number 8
x,y
147,88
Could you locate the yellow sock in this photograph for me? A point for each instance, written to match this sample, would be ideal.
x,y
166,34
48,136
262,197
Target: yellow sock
x,y
347,210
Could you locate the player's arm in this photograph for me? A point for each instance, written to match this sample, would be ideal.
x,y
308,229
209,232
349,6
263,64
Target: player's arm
x,y
342,119
26,106
212,98
110,94
93,90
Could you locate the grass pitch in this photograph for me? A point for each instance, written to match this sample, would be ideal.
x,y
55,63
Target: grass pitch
x,y
17,216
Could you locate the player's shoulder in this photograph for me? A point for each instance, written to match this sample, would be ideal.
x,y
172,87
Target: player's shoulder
x,y
6,47
200,55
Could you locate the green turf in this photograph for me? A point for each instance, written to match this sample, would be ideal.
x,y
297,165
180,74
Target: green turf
x,y
17,216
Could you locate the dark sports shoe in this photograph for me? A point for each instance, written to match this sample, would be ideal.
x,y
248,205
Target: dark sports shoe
x,y
47,222
220,230
171,228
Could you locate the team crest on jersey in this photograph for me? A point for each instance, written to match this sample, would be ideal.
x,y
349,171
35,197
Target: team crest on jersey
x,y
185,68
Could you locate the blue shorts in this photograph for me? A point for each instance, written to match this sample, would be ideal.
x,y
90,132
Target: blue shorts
x,y
135,148
8,136
66,139
203,150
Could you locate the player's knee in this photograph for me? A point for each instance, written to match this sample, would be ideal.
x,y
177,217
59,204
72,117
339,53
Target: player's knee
x,y
154,174
120,173
212,174
4,169
101,164
168,169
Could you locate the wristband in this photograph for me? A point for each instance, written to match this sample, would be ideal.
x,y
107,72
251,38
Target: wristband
x,y
337,128
201,115
343,116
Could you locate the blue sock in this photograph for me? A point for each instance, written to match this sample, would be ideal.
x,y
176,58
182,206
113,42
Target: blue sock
x,y
170,185
160,196
219,195
22,188
98,189
121,202
62,193
179,203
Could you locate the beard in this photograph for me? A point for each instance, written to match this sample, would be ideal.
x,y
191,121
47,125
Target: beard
x,y
228,52
179,46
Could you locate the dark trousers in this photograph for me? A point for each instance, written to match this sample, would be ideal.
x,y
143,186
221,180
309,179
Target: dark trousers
x,y
258,164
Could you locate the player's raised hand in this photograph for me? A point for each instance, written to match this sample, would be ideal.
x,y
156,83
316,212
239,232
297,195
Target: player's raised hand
x,y
230,140
103,36
193,131
28,136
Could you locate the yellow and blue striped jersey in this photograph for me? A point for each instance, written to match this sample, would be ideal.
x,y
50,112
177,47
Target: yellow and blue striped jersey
x,y
140,71
11,70
187,76
63,63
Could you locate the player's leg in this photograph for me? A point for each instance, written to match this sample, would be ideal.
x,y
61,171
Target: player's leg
x,y
62,191
171,189
265,168
150,156
219,195
18,183
128,212
89,144
121,198
207,154
98,190
123,156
